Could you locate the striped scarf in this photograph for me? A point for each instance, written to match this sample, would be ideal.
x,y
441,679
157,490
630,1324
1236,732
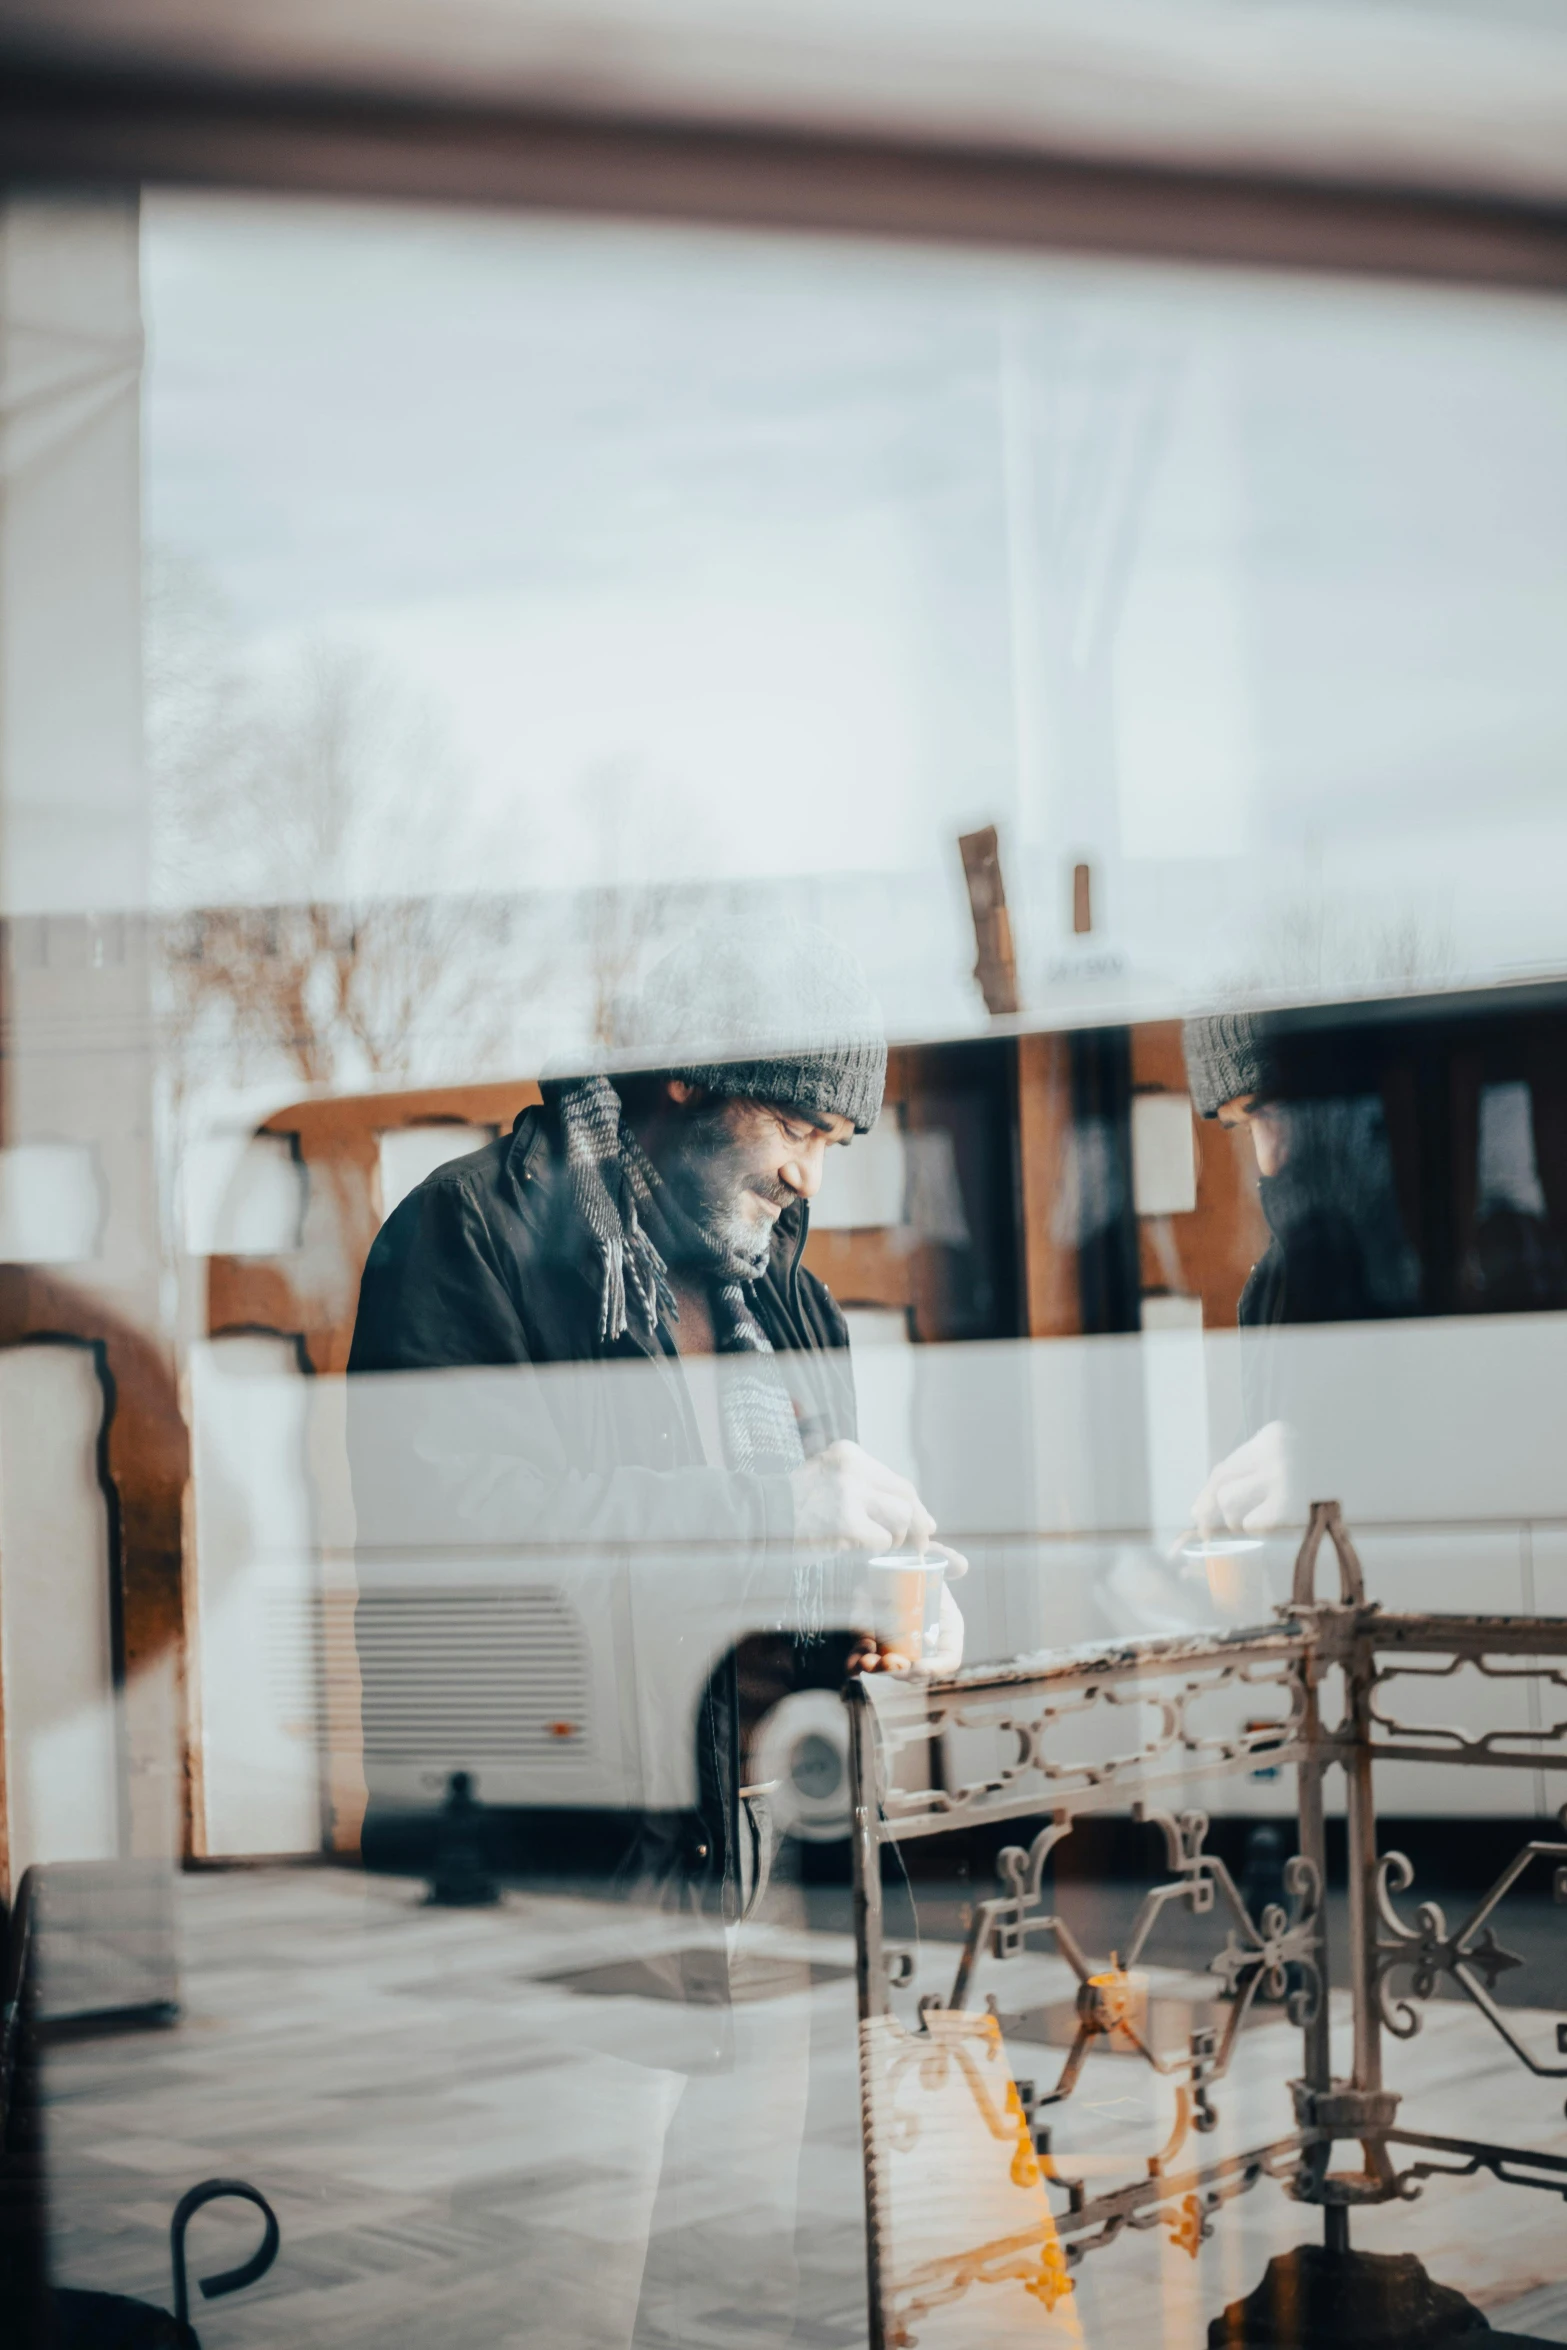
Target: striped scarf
x,y
637,1229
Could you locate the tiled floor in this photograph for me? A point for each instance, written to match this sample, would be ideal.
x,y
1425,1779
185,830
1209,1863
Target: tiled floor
x,y
466,2150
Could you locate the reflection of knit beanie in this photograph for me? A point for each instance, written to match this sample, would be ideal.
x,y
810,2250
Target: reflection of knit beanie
x,y
774,1012
1227,1057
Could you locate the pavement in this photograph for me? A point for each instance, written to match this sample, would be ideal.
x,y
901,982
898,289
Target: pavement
x,y
497,2127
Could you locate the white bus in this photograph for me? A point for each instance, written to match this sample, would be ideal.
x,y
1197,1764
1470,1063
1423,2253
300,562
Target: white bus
x,y
1062,1460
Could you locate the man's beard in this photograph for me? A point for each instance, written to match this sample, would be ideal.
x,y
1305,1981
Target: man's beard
x,y
708,1179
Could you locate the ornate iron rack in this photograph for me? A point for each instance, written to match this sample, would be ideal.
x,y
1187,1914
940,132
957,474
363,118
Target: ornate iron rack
x,y
1146,1700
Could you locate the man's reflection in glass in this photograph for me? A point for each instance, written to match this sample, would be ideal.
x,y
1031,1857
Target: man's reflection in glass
x,y
653,1223
1337,1250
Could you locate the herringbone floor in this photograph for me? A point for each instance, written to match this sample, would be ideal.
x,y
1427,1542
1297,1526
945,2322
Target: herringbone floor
x,y
462,2117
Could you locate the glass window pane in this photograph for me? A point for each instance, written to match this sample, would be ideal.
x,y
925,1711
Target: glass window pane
x,y
764,997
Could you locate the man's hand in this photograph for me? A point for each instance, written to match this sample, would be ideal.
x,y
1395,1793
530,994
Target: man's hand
x,y
1252,1490
845,1500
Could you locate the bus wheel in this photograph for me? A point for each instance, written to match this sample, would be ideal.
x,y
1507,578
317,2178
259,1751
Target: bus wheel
x,y
802,1744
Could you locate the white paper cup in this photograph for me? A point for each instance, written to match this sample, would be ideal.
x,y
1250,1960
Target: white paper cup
x,y
906,1606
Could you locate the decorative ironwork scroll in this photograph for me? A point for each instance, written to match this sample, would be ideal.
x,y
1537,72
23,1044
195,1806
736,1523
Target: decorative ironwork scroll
x,y
1469,1956
1114,1727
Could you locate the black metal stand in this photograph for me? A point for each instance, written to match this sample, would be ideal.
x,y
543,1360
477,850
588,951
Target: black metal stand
x,y
460,1879
1318,2298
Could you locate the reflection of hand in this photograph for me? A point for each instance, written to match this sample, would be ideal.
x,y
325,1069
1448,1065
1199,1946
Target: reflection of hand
x,y
1252,1489
947,1654
846,1500
872,1655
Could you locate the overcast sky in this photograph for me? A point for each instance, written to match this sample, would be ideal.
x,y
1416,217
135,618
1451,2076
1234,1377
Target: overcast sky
x,y
1251,589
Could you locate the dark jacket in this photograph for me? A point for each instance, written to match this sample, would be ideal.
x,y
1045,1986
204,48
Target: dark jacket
x,y
486,1414
1338,1251
486,1267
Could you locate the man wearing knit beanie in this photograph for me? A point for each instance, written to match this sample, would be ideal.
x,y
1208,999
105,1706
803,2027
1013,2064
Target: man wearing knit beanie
x,y
624,1357
659,1212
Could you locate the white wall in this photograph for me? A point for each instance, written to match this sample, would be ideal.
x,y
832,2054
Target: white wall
x,y
257,1619
62,1774
409,1153
242,1194
51,1203
867,1183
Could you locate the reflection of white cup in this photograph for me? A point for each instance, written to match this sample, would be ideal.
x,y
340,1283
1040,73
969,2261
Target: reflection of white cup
x,y
906,1605
1229,1565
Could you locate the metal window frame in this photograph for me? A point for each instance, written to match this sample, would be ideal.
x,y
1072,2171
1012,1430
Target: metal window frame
x,y
66,126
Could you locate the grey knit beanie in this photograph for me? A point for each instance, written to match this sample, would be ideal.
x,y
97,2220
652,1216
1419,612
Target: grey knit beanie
x,y
776,1012
1227,1056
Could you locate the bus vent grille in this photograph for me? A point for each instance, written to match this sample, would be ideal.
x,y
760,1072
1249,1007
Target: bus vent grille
x,y
454,1678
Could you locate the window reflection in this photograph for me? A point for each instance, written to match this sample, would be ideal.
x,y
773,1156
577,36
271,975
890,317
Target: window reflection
x,y
533,1259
